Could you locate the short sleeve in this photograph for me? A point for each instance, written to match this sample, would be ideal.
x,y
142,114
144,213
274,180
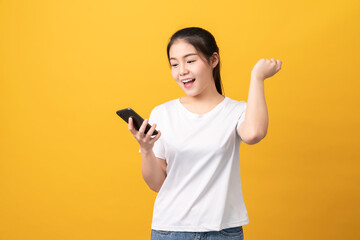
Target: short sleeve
x,y
241,114
158,148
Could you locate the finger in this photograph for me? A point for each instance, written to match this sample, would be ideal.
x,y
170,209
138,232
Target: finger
x,y
143,127
131,126
156,137
150,132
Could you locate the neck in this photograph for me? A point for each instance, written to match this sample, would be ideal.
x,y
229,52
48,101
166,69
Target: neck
x,y
206,97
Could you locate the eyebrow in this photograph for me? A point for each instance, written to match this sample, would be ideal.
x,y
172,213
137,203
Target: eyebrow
x,y
187,55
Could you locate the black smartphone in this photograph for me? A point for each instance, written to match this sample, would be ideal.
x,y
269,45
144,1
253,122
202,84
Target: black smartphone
x,y
137,120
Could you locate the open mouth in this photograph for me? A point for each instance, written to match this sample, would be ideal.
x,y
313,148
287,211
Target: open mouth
x,y
189,82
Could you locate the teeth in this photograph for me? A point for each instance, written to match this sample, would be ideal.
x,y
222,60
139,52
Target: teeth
x,y
188,80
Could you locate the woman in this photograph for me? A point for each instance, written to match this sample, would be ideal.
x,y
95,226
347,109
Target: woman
x,y
193,162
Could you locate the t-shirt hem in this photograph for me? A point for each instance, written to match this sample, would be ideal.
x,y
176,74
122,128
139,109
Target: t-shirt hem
x,y
200,228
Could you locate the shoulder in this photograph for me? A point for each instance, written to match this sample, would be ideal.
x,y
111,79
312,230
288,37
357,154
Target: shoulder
x,y
164,107
236,104
160,112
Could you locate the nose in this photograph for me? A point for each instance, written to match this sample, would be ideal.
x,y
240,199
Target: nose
x,y
183,70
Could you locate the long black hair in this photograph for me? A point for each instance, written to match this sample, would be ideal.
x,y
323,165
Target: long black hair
x,y
204,42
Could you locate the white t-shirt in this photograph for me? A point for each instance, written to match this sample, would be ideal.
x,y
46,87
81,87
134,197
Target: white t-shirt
x,y
202,190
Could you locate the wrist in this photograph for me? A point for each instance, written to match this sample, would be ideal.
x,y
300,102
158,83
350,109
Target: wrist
x,y
145,150
257,78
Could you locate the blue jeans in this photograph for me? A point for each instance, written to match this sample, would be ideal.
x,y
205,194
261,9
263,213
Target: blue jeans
x,y
235,233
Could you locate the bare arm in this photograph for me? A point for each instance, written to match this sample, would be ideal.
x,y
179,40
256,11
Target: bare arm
x,y
153,169
255,126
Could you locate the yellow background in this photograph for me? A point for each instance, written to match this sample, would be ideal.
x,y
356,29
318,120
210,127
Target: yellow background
x,y
69,167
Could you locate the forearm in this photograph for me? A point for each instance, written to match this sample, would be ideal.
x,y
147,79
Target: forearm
x,y
256,111
152,173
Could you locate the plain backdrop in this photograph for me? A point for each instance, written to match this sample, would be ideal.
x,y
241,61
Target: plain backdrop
x,y
70,168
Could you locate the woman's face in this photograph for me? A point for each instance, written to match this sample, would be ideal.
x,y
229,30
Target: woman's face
x,y
190,69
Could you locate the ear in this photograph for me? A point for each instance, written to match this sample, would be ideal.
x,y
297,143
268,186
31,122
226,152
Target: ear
x,y
214,60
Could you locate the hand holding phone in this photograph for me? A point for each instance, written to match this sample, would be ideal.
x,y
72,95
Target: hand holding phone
x,y
140,129
126,113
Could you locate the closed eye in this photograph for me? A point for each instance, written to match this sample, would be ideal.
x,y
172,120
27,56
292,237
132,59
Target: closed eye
x,y
174,65
191,61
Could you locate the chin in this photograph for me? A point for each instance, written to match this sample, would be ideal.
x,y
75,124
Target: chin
x,y
191,93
